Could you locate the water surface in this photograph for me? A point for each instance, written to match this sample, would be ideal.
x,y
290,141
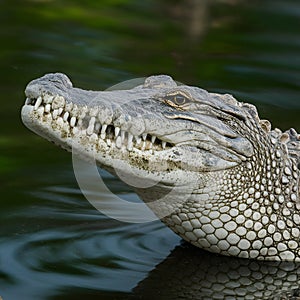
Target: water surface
x,y
53,243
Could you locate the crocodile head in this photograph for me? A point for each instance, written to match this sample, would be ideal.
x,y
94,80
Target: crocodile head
x,y
178,135
158,127
158,130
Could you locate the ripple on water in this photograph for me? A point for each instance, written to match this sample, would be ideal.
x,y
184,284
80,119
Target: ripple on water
x,y
67,243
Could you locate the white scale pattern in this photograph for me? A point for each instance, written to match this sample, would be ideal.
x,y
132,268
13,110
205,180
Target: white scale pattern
x,y
258,223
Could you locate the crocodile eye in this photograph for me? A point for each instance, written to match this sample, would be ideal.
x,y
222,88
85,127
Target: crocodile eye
x,y
177,99
180,100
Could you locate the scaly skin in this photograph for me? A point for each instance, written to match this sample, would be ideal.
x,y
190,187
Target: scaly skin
x,y
237,180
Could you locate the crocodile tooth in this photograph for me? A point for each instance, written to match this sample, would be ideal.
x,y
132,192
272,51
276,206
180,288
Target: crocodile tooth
x,y
73,121
75,130
60,121
90,128
92,121
66,116
123,136
153,138
103,131
55,114
117,131
163,143
28,101
97,127
38,103
108,142
104,127
130,137
47,108
144,145
60,110
138,140
40,111
129,144
144,136
119,142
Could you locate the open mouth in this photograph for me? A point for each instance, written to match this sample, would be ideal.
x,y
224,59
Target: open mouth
x,y
76,120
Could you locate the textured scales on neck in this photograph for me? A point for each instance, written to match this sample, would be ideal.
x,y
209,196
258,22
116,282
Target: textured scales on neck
x,y
253,210
245,195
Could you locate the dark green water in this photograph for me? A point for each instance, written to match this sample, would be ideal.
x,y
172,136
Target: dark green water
x,y
53,243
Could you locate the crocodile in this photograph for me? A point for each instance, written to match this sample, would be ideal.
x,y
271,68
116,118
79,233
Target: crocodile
x,y
236,179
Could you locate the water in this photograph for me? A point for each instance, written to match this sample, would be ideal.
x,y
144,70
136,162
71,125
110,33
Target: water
x,y
53,243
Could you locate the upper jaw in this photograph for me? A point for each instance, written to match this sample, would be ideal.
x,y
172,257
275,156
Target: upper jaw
x,y
56,110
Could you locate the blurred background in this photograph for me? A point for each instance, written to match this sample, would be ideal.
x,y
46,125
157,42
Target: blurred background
x,y
53,244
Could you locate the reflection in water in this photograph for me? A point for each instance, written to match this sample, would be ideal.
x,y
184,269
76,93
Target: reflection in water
x,y
190,273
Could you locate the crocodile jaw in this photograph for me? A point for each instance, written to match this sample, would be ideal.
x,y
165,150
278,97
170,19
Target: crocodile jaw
x,y
59,117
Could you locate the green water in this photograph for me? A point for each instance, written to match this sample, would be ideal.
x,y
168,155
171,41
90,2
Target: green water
x,y
53,243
